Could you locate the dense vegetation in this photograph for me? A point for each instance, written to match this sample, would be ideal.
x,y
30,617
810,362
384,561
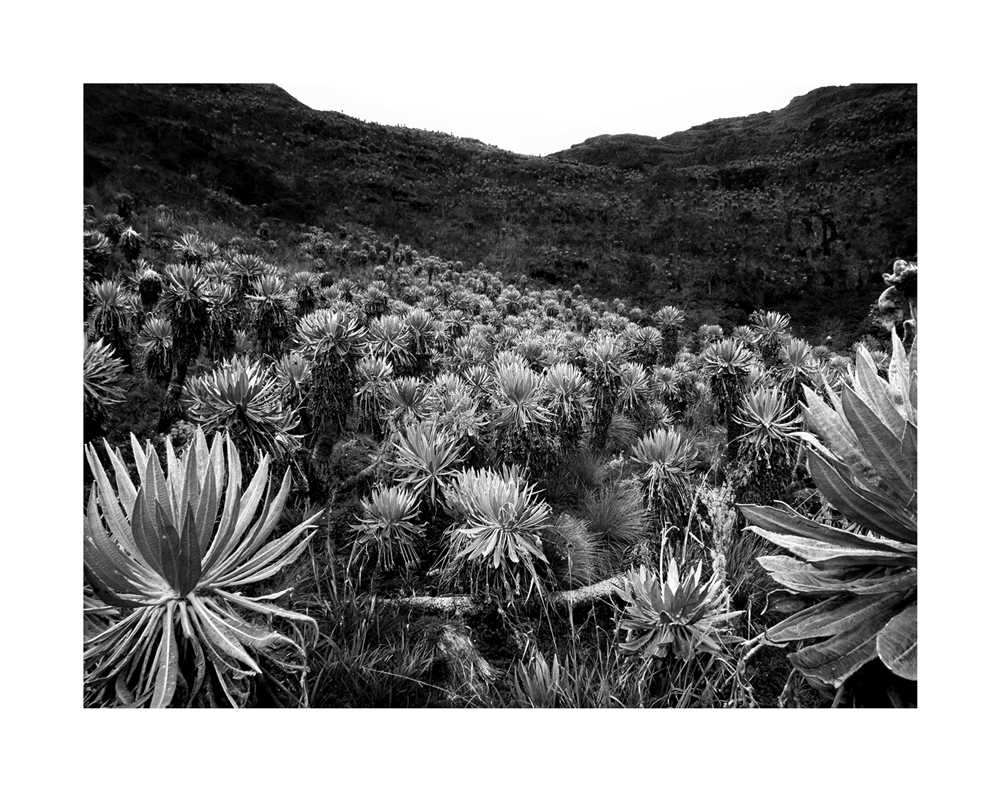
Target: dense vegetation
x,y
795,211
333,471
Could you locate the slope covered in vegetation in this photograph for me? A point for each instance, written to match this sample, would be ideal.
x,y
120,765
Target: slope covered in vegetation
x,y
795,210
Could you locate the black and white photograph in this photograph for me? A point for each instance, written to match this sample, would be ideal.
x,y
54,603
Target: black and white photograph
x,y
449,368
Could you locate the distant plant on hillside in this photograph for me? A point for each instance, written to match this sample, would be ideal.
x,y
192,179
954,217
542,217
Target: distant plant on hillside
x,y
304,287
604,360
797,367
728,364
771,330
130,243
273,314
150,287
519,417
155,345
185,303
670,320
766,446
664,462
332,343
374,376
568,396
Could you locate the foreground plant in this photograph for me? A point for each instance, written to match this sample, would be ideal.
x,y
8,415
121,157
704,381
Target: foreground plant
x,y
676,627
864,572
162,553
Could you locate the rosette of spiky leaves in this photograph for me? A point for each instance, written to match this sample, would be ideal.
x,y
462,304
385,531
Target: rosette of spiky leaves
x,y
406,401
674,618
727,363
636,390
664,461
332,342
374,376
389,337
519,419
223,318
162,553
668,387
835,371
708,334
130,243
422,334
604,361
242,397
102,378
797,366
246,270
273,314
426,457
112,315
185,303
150,287
374,300
568,396
746,335
864,574
113,226
388,530
496,538
189,250
304,287
294,374
771,330
466,354
766,445
647,344
124,204
98,252
660,416
532,349
218,271
155,344
450,399
455,323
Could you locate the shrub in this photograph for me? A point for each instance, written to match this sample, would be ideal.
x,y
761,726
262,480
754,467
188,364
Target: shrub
x,y
243,398
388,531
496,538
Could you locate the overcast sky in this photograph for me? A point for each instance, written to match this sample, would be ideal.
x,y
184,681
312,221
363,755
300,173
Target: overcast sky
x,y
541,118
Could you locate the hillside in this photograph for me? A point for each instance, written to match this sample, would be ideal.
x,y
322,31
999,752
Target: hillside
x,y
798,210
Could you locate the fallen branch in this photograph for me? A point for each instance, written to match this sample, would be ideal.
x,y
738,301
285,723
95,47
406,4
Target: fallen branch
x,y
465,605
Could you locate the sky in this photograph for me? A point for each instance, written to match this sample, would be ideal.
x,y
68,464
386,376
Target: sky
x,y
534,119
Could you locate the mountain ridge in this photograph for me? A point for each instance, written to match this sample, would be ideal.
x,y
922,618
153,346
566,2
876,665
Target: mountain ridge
x,y
799,209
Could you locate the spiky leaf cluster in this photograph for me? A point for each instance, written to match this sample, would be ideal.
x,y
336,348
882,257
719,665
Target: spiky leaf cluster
x,y
864,573
388,530
243,398
162,553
